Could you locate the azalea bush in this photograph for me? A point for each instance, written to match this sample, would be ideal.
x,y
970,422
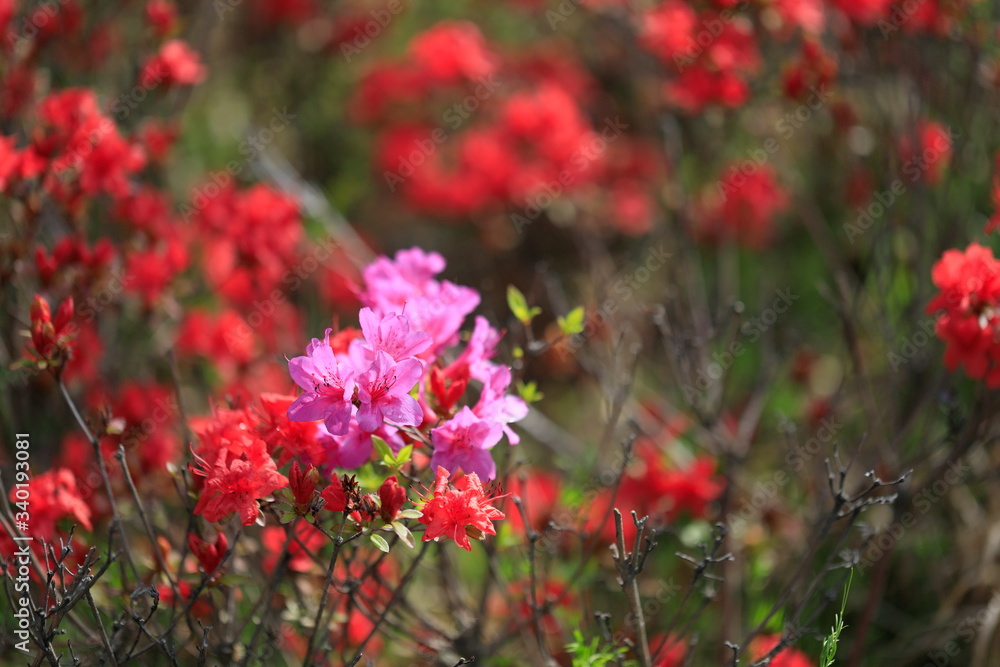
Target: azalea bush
x,y
643,334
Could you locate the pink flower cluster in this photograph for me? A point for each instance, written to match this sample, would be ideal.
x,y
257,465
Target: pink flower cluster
x,y
396,374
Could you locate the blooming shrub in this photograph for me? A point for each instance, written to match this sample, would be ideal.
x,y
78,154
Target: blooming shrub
x,y
516,333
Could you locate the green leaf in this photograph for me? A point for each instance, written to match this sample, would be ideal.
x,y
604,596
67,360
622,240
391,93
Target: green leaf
x,y
516,302
519,306
573,322
382,447
411,514
404,455
404,533
379,542
529,392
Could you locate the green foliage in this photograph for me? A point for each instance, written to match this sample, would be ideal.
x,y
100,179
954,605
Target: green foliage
x,y
529,391
592,654
829,651
519,306
392,461
573,322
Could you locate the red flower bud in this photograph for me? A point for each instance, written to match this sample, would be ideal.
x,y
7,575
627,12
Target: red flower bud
x,y
209,555
393,497
303,483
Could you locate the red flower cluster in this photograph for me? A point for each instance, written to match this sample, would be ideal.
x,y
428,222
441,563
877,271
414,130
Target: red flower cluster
x,y
743,206
969,307
815,69
251,241
176,64
460,511
508,132
712,53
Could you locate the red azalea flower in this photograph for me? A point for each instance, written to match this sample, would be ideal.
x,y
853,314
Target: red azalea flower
x,y
209,554
175,65
55,496
10,159
235,482
161,15
335,496
670,651
459,512
969,323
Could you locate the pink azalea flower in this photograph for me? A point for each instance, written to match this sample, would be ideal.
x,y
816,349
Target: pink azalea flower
x,y
393,282
441,311
464,443
496,405
437,308
391,334
384,392
328,385
482,346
